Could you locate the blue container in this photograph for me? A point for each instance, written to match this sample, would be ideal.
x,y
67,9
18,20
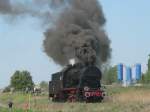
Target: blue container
x,y
120,72
128,74
138,71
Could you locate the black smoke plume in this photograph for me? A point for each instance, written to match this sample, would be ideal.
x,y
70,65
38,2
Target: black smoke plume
x,y
76,28
35,8
78,33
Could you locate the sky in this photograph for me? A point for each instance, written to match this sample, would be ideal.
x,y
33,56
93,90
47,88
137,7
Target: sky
x,y
128,24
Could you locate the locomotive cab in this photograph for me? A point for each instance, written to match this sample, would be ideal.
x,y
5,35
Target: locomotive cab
x,y
55,85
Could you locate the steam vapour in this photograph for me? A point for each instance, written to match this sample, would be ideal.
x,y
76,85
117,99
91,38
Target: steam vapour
x,y
78,33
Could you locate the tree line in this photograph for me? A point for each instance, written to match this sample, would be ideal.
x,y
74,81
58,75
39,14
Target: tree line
x,y
22,80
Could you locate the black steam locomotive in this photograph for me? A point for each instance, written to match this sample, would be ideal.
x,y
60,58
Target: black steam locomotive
x,y
77,82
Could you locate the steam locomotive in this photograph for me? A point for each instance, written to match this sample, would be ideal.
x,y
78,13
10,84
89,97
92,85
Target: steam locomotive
x,y
76,82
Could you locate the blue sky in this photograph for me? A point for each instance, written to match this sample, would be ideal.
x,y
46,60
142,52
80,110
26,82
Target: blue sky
x,y
128,24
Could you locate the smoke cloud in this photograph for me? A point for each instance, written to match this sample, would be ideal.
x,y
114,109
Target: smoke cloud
x,y
5,6
35,8
76,28
78,33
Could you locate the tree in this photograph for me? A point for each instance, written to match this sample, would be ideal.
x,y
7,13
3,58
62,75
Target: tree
x,y
44,85
146,78
110,75
21,80
7,89
149,63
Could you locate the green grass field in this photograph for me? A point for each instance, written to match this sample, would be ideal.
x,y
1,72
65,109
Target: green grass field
x,y
118,99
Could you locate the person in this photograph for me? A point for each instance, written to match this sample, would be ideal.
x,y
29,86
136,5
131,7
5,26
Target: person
x,y
10,105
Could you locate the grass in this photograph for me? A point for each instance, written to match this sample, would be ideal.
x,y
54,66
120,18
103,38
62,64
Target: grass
x,y
119,99
13,110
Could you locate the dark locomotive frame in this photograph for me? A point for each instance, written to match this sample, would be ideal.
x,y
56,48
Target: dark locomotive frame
x,y
76,82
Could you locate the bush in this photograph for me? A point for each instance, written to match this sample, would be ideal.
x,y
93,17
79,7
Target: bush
x,y
146,78
110,75
7,89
